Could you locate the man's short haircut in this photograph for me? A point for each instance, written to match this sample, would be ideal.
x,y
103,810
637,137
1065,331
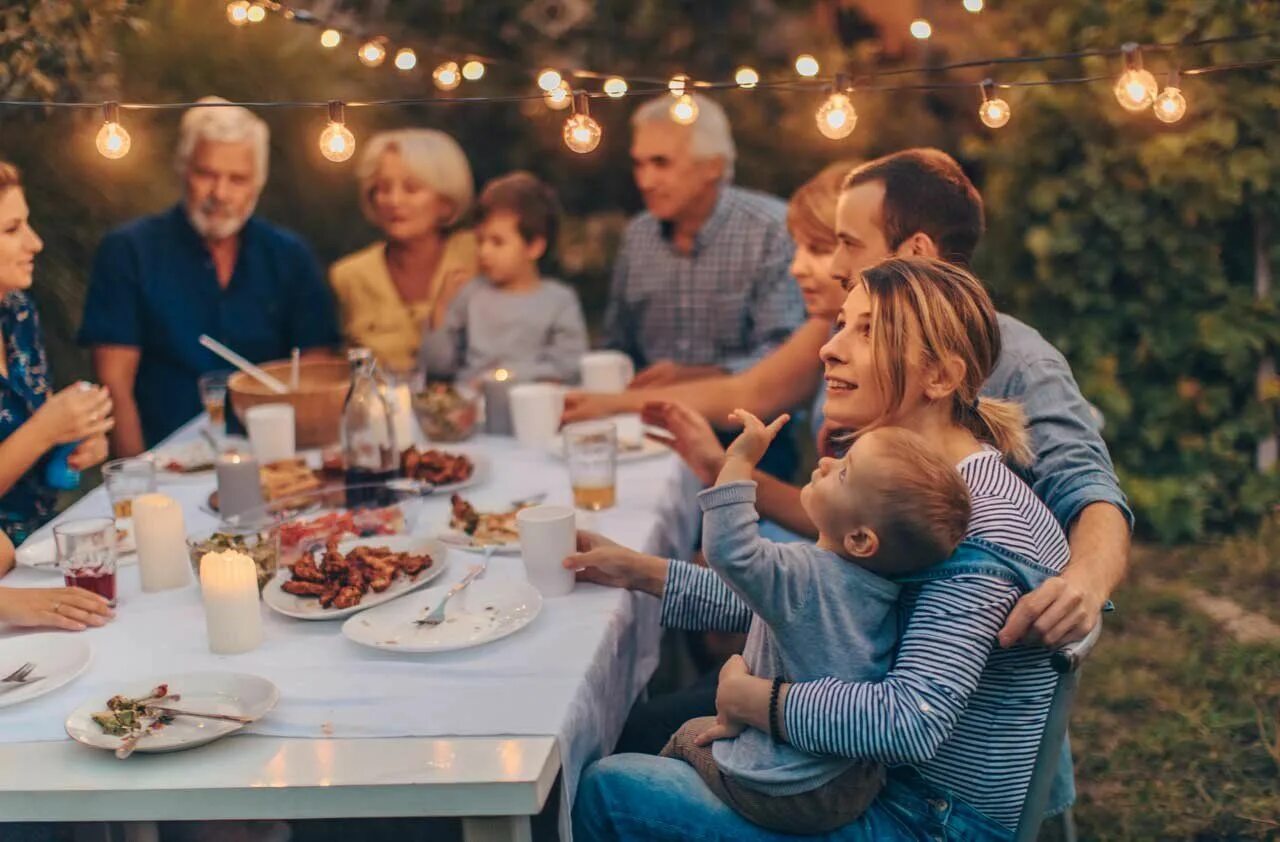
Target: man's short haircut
x,y
710,136
530,200
926,191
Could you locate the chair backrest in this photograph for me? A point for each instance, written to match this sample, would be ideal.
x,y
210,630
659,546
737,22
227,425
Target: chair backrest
x,y
1066,662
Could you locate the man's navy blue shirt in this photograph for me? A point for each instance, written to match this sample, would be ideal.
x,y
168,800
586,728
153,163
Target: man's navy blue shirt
x,y
154,287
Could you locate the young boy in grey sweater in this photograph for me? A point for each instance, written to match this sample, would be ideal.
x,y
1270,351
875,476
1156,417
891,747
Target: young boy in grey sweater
x,y
511,317
891,506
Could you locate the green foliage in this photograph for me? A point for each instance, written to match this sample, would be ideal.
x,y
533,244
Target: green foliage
x,y
1131,245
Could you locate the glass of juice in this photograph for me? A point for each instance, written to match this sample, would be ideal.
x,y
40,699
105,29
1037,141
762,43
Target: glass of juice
x,y
213,394
127,479
87,555
591,449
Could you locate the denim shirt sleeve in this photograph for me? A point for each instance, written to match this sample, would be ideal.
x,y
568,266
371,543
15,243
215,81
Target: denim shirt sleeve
x,y
696,599
1072,467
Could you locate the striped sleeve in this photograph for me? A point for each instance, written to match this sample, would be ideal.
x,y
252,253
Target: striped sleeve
x,y
906,717
696,599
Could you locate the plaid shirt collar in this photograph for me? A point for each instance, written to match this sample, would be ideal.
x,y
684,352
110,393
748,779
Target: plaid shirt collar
x,y
714,222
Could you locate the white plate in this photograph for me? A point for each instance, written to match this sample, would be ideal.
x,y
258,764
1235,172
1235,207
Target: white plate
x,y
488,610
43,553
462,541
308,607
207,692
58,656
646,449
195,459
479,475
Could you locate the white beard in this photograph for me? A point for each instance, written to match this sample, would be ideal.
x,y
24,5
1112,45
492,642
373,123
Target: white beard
x,y
213,227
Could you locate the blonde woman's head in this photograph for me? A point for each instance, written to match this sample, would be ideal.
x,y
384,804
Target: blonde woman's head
x,y
414,183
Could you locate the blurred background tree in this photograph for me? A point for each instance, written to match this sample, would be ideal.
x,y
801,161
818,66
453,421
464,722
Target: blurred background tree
x,y
1133,246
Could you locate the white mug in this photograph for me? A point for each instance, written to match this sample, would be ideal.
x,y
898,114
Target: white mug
x,y
536,409
548,535
271,431
606,371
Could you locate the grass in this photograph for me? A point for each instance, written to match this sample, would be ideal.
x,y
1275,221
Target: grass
x,y
1175,728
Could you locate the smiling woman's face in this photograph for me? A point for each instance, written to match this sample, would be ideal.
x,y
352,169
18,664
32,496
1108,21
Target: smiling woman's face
x,y
19,243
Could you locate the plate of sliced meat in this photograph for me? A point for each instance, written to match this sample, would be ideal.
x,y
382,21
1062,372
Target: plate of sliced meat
x,y
349,576
447,470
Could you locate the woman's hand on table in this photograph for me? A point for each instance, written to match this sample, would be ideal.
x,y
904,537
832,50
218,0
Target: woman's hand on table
x,y
76,413
72,609
691,437
741,700
92,451
609,563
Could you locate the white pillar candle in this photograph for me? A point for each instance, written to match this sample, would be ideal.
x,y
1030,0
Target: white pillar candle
x,y
239,484
161,536
229,585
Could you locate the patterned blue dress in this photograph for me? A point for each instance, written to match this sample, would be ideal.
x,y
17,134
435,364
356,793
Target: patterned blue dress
x,y
31,501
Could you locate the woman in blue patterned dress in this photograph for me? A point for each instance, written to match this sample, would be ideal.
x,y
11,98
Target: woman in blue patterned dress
x,y
34,421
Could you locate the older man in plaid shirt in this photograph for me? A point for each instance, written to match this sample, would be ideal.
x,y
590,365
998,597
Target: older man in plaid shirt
x,y
701,284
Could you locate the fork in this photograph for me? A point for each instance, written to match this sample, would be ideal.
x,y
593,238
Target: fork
x,y
436,616
531,500
20,677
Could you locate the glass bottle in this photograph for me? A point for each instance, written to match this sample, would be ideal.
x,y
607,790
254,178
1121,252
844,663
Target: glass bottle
x,y
368,434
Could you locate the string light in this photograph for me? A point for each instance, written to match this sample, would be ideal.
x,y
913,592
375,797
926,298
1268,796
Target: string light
x,y
836,117
684,110
678,84
372,53
973,6
994,112
807,65
1136,88
1170,106
112,141
559,98
921,29
238,12
615,86
549,80
581,133
473,70
337,143
406,59
256,14
447,76
330,38
746,77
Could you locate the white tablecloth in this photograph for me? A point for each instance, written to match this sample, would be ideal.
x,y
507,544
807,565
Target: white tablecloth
x,y
574,672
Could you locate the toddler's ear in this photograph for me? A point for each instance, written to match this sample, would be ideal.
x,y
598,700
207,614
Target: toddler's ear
x,y
862,543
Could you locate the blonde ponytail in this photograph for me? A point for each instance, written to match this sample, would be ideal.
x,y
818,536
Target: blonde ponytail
x,y
1002,424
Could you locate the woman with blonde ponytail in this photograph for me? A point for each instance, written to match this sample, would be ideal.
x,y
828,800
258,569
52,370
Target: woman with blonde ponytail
x,y
957,719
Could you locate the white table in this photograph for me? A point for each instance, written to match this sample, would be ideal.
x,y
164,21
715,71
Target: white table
x,y
494,783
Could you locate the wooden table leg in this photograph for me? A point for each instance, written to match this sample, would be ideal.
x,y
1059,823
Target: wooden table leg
x,y
497,829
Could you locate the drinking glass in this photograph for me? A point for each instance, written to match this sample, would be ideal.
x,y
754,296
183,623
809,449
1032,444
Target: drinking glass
x,y
213,394
87,555
591,449
127,479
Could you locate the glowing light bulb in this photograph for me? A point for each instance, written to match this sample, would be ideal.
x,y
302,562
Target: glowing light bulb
x,y
807,65
1136,89
973,6
473,71
113,141
558,99
372,53
238,12
1170,106
684,110
256,14
330,38
549,80
678,84
447,76
921,29
746,77
581,133
406,59
836,117
994,113
615,86
337,143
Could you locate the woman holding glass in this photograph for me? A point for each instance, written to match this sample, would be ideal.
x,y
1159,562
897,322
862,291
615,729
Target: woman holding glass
x,y
415,187
34,421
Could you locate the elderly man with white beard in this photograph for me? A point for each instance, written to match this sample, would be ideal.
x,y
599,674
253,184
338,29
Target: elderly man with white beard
x,y
207,265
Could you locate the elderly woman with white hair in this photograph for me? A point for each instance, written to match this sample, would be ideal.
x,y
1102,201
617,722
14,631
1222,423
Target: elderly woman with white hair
x,y
207,265
415,187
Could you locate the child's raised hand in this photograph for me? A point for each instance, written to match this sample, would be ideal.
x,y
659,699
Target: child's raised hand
x,y
755,439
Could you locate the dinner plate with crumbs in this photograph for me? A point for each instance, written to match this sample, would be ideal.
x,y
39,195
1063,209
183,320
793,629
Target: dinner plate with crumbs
x,y
158,714
488,610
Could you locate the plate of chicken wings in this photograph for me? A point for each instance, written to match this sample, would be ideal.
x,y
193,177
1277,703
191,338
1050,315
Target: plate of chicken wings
x,y
349,576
